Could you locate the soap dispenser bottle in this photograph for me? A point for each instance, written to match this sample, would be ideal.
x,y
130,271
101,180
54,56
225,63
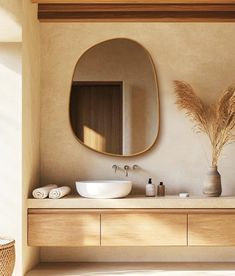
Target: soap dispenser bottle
x,y
161,189
150,188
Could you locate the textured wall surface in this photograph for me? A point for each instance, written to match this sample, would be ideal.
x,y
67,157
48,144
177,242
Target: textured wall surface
x,y
31,119
10,144
201,54
10,20
11,123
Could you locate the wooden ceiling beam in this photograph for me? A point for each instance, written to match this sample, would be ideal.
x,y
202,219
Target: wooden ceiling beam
x,y
142,2
193,12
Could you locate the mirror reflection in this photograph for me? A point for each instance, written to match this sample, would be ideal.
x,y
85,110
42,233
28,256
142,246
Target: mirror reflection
x,y
114,106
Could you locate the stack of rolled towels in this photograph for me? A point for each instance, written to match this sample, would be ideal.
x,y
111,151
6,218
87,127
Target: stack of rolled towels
x,y
52,191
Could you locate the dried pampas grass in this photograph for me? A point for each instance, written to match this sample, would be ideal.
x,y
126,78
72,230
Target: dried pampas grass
x,y
217,121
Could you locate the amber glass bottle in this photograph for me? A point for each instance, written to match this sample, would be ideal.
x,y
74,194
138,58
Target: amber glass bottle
x,y
161,189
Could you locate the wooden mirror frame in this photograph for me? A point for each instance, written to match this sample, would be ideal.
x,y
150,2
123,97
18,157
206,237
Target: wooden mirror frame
x,y
157,101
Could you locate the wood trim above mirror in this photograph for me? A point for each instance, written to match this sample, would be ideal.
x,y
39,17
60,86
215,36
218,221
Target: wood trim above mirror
x,y
133,11
143,2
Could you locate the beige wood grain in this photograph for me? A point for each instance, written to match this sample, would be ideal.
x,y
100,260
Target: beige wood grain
x,y
129,211
143,229
211,229
64,229
136,202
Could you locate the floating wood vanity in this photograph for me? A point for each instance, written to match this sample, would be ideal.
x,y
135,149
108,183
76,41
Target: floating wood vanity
x,y
168,221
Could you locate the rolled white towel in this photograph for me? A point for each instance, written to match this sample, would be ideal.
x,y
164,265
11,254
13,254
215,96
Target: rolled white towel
x,y
44,191
59,192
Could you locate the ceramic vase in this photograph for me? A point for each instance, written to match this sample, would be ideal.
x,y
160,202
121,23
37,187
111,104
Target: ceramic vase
x,y
212,183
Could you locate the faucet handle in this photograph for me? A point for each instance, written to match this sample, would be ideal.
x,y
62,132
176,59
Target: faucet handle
x,y
126,169
134,167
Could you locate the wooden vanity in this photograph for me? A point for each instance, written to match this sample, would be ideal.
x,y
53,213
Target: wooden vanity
x,y
168,221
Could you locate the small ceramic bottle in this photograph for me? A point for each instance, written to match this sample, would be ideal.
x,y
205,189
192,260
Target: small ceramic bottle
x,y
161,189
150,188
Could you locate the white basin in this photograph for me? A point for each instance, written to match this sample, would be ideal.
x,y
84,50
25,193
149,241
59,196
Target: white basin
x,y
104,188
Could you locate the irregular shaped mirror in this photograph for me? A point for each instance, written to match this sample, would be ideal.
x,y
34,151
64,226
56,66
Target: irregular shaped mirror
x,y
114,105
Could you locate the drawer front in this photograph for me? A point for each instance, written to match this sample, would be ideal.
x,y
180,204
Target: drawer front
x,y
211,229
143,229
64,229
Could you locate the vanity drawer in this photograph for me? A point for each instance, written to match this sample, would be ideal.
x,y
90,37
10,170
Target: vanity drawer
x,y
63,229
145,229
211,229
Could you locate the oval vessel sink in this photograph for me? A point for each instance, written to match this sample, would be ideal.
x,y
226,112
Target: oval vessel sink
x,y
104,188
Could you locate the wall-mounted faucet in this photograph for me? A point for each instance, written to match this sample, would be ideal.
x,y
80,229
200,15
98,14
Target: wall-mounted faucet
x,y
126,168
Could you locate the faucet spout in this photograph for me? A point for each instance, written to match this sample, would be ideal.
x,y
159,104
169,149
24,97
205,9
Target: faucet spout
x,y
115,167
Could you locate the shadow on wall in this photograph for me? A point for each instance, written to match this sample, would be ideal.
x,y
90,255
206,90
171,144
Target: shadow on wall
x,y
10,21
13,8
12,51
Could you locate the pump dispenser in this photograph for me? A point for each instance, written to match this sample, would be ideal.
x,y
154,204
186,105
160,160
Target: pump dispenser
x,y
150,188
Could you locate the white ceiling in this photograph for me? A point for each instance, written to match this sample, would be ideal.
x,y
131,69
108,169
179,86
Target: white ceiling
x,y
10,28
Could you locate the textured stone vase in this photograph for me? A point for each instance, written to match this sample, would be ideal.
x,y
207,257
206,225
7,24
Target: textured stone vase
x,y
212,183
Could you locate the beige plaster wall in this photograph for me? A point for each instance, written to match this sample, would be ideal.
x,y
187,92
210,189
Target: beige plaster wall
x,y
10,144
125,60
31,120
11,124
201,53
10,20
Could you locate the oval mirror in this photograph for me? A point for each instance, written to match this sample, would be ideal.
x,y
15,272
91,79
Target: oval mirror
x,y
114,105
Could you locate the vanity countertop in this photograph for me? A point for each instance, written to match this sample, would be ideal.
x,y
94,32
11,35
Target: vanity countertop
x,y
135,202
